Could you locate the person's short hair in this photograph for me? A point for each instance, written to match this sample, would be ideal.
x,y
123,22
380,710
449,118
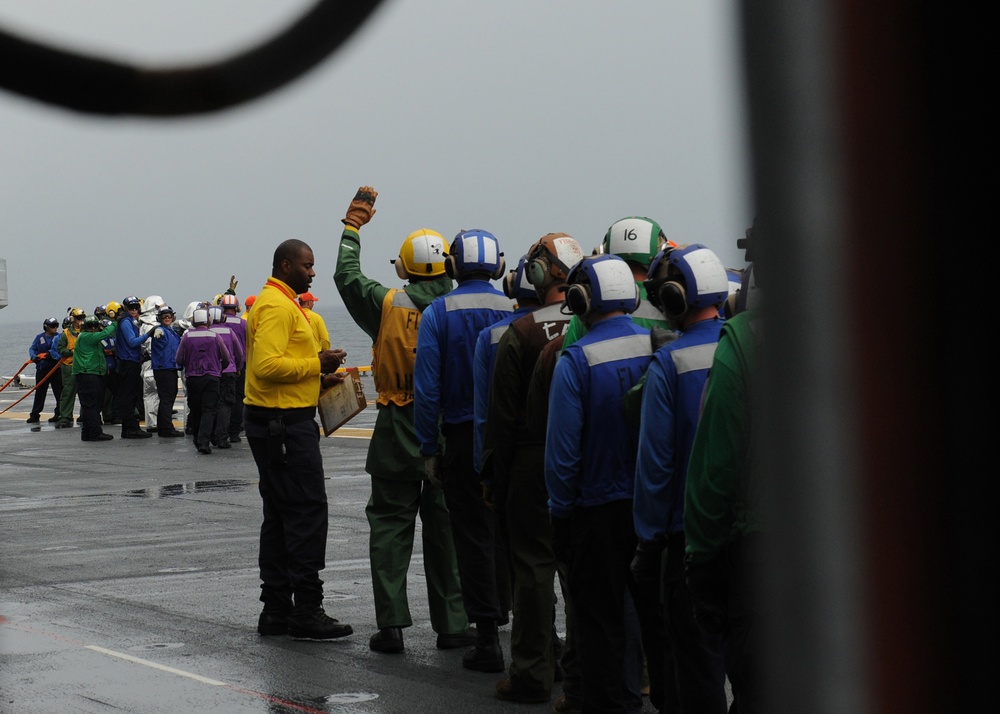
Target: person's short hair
x,y
288,250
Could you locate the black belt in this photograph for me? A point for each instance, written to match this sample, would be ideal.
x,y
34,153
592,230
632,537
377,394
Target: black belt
x,y
264,415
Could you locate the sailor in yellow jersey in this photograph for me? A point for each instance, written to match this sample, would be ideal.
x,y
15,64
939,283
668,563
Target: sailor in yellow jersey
x,y
307,300
285,369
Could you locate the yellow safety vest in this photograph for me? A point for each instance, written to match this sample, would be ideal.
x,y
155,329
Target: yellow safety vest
x,y
395,351
71,345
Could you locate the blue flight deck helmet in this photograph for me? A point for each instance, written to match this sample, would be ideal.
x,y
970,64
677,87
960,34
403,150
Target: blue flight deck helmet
x,y
132,303
684,277
516,285
475,251
601,283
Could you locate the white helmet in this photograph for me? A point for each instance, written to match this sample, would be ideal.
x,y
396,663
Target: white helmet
x,y
189,310
153,304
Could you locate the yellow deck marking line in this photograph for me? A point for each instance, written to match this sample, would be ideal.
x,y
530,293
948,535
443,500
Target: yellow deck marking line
x,y
155,665
350,432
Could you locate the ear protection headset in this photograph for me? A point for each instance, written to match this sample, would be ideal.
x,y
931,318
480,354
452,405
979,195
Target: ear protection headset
x,y
477,243
551,258
672,297
515,283
578,299
666,292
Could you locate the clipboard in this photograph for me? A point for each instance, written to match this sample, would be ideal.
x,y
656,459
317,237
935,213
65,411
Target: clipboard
x,y
342,402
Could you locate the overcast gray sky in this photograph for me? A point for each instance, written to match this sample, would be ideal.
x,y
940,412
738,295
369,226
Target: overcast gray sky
x,y
522,117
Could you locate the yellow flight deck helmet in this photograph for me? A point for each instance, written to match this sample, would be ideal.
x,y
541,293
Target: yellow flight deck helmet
x,y
114,309
421,255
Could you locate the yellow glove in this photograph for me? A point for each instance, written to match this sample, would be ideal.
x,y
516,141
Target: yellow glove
x,y
362,208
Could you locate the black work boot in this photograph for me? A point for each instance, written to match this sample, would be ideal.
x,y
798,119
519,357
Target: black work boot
x,y
272,623
388,640
486,655
310,622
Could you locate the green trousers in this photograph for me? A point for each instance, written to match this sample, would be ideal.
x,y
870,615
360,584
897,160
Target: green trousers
x,y
67,400
392,514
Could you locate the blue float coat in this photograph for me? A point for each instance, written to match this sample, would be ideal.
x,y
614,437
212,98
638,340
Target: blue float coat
x,y
589,446
671,401
163,349
128,340
482,375
446,341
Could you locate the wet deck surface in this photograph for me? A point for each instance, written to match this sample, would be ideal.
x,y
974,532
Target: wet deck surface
x,y
128,583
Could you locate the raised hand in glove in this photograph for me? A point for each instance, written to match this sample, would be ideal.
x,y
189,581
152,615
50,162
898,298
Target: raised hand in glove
x,y
433,470
232,285
362,208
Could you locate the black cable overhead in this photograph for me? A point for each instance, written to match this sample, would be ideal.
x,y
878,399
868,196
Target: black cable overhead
x,y
93,85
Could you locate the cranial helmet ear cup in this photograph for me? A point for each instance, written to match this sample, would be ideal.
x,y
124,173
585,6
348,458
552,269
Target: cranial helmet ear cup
x,y
451,267
509,289
401,269
578,299
537,271
673,299
730,307
499,272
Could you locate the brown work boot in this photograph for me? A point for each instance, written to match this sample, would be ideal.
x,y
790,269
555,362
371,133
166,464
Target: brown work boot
x,y
567,705
508,691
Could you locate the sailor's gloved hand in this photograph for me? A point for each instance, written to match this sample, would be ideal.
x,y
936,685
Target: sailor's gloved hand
x,y
157,333
433,470
362,208
646,562
561,539
232,285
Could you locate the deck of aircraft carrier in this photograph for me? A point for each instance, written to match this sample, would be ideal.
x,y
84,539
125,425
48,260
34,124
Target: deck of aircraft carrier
x,y
129,583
